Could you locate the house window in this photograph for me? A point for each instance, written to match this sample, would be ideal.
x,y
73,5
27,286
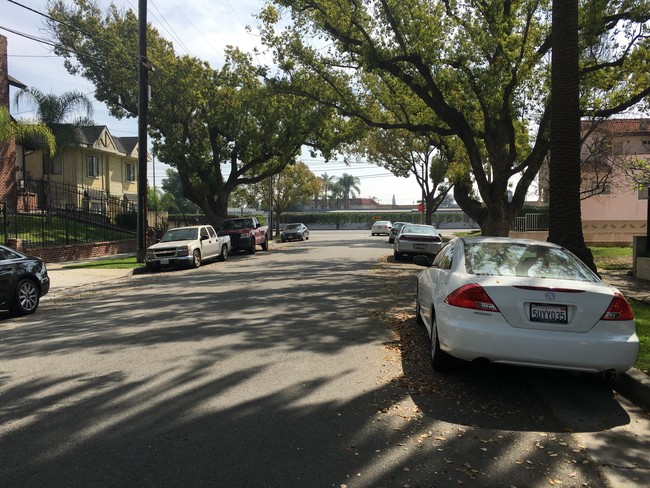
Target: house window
x,y
130,172
51,166
642,193
93,166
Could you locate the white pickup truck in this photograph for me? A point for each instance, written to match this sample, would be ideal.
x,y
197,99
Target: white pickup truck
x,y
187,246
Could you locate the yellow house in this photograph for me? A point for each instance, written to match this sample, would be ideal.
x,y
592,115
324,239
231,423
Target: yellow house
x,y
98,162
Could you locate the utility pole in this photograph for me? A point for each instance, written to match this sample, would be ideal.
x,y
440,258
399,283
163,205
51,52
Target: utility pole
x,y
143,106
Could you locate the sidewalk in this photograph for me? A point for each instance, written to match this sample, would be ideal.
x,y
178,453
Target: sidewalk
x,y
632,384
63,277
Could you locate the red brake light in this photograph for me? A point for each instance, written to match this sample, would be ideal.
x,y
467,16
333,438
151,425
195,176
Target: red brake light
x,y
471,296
619,309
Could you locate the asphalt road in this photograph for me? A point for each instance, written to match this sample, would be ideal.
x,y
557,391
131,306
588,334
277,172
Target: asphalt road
x,y
282,369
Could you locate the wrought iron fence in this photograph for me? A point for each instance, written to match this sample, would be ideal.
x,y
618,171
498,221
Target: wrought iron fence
x,y
530,222
48,214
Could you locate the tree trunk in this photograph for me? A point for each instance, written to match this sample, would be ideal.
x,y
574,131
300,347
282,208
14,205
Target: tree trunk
x,y
565,222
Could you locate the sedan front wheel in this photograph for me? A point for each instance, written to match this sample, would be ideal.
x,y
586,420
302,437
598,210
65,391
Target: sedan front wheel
x,y
26,298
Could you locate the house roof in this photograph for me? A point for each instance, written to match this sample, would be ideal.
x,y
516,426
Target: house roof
x,y
362,201
14,82
126,144
630,127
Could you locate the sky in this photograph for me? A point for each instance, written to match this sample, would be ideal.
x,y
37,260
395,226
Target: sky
x,y
201,28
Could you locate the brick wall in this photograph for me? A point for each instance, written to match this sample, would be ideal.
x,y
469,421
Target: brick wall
x,y
78,251
7,149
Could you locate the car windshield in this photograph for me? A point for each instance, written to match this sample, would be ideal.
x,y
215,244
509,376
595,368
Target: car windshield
x,y
520,259
419,229
293,227
237,224
179,235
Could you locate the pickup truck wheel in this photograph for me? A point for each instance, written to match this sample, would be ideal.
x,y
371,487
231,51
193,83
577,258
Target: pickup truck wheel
x,y
251,250
265,244
196,258
224,253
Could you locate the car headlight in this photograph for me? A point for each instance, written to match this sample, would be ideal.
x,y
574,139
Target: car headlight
x,y
245,235
182,251
150,255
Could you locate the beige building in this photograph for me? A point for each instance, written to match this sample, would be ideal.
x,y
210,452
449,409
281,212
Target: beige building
x,y
613,207
98,162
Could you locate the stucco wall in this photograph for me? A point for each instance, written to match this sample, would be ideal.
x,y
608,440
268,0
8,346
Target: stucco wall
x,y
600,232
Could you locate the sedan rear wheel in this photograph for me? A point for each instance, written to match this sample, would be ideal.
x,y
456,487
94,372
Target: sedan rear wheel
x,y
265,244
26,298
440,360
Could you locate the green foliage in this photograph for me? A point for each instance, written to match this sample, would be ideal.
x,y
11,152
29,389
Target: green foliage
x,y
472,76
59,113
219,128
367,218
24,131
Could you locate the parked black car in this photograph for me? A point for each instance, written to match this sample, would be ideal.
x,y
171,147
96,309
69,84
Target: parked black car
x,y
295,232
23,281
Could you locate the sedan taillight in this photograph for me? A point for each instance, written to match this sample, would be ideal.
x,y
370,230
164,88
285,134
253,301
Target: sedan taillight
x,y
471,296
619,309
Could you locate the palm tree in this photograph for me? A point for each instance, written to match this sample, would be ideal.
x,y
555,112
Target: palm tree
x,y
21,131
57,113
350,186
565,222
327,184
336,194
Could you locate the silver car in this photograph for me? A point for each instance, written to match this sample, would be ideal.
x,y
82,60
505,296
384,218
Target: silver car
x,y
416,239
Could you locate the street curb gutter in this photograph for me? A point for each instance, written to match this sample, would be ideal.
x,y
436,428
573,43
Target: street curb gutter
x,y
635,386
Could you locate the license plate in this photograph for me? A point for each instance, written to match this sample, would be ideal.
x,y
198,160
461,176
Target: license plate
x,y
164,261
419,246
542,312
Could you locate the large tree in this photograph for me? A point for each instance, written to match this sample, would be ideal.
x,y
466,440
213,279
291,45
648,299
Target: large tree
x,y
405,154
294,186
219,128
478,71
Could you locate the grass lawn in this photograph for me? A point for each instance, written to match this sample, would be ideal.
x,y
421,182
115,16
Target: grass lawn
x,y
642,317
128,262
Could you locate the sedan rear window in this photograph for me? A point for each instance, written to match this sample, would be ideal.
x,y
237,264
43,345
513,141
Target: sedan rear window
x,y
516,259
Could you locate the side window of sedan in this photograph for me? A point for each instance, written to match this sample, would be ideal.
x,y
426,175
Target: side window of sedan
x,y
444,258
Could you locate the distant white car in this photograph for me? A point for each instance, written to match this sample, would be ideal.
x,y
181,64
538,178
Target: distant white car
x,y
187,246
416,239
381,227
522,302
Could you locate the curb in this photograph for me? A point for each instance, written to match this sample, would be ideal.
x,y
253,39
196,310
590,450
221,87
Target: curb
x,y
635,386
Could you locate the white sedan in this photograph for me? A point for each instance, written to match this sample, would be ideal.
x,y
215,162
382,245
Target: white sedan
x,y
381,227
522,302
416,239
